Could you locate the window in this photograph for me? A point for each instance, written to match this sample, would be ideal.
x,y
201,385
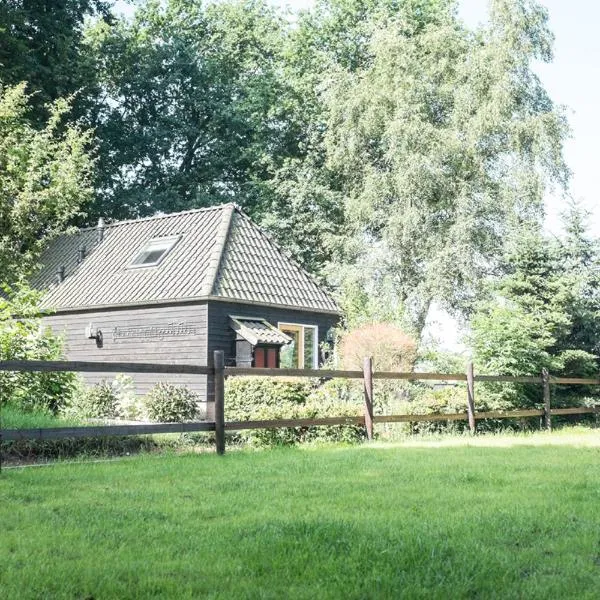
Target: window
x,y
302,352
154,252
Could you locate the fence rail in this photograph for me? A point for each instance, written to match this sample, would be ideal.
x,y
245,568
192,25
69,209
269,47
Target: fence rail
x,y
220,373
57,433
187,369
88,366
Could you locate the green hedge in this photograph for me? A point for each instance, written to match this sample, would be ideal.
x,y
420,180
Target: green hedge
x,y
253,399
166,403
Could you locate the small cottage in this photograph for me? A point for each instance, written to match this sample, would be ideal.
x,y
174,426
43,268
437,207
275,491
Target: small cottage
x,y
174,288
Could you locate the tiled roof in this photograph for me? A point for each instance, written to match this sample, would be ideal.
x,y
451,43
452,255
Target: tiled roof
x,y
254,268
220,253
259,331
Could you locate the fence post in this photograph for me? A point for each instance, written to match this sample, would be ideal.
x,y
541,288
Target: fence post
x,y
546,384
368,387
219,383
471,396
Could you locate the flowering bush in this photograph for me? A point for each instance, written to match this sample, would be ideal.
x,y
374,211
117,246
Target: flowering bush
x,y
96,402
391,348
129,404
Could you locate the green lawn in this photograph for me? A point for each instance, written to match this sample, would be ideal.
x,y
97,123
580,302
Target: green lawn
x,y
491,520
11,417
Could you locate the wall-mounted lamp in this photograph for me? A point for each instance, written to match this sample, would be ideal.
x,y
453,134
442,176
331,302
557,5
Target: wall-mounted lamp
x,y
93,333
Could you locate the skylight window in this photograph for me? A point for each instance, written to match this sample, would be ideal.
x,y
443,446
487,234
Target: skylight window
x,y
154,251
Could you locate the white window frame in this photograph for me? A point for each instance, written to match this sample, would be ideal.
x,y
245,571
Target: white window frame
x,y
169,243
315,364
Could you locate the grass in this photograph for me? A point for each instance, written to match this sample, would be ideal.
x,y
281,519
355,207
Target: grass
x,y
33,450
12,417
509,520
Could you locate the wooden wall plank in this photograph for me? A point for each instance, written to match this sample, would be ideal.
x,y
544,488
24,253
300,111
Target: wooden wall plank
x,y
177,349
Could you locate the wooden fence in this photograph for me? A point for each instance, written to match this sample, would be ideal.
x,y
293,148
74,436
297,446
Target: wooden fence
x,y
220,372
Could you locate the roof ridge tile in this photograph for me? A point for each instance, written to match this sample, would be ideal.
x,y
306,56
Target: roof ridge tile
x,y
157,217
220,244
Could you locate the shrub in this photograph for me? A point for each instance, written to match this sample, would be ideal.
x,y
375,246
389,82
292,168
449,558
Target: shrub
x,y
435,360
424,400
335,398
13,417
22,338
254,398
427,401
93,447
251,398
246,395
96,402
167,403
578,363
391,348
129,404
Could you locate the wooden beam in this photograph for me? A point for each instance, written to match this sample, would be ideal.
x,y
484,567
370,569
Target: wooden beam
x,y
273,424
419,376
547,397
508,378
57,433
79,366
368,395
509,414
134,367
574,381
219,383
150,428
317,373
471,396
419,418
579,410
498,414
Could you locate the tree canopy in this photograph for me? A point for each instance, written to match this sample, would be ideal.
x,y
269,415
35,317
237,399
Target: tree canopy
x,y
193,111
41,43
45,179
392,149
444,142
544,311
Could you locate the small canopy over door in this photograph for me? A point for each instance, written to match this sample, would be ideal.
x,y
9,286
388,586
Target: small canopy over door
x,y
257,342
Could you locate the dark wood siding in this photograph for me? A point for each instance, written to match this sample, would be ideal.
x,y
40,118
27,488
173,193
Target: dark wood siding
x,y
175,334
222,337
122,339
